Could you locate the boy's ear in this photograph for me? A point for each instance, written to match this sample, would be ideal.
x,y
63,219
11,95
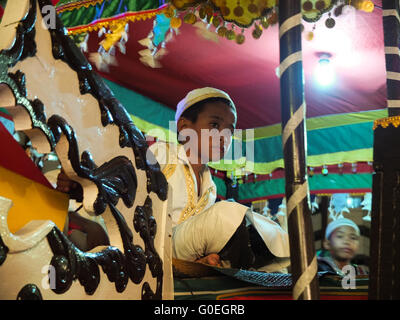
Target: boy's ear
x,y
182,124
326,244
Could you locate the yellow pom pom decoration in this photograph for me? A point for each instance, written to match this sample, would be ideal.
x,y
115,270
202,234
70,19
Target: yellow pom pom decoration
x,y
178,3
169,12
240,38
222,31
230,35
363,5
367,6
175,22
190,18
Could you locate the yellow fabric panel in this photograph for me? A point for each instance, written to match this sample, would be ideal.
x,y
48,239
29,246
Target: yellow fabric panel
x,y
31,201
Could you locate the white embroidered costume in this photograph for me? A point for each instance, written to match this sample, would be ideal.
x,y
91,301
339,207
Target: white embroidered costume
x,y
202,226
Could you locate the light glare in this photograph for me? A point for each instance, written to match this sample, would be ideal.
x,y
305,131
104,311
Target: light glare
x,y
324,73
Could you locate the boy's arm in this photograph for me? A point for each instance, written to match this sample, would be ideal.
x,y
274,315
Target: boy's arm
x,y
66,185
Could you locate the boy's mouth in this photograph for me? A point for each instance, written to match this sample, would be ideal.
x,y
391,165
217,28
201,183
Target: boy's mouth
x,y
347,250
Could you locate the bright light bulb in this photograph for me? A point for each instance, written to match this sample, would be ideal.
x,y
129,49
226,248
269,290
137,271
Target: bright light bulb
x,y
324,73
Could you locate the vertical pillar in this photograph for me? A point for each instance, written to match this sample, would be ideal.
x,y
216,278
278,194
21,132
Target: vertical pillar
x,y
391,35
385,215
323,207
302,250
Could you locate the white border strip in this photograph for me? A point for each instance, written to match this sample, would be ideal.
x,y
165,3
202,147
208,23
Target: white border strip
x,y
305,279
290,23
293,123
392,50
296,197
293,58
393,103
393,75
391,12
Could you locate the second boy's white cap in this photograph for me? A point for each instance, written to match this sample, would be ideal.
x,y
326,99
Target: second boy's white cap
x,y
198,95
339,223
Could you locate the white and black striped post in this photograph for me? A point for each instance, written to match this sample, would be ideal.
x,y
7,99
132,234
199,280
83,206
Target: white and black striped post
x,y
391,30
302,252
384,282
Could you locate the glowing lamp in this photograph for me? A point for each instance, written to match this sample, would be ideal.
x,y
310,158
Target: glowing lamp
x,y
324,73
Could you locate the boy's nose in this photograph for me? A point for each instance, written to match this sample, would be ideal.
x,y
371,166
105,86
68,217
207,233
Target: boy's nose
x,y
347,240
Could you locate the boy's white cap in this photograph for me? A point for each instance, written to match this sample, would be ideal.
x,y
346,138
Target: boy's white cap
x,y
198,95
339,223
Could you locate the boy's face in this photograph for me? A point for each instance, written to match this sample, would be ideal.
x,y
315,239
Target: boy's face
x,y
343,243
211,135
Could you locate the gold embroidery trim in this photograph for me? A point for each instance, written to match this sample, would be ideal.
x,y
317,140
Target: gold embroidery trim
x,y
192,208
73,6
188,210
170,168
385,122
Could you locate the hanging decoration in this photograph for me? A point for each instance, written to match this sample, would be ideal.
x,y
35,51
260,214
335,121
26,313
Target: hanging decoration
x,y
213,19
228,18
338,205
224,15
282,216
110,19
165,26
366,205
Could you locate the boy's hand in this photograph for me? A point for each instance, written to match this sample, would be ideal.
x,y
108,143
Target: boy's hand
x,y
65,184
212,259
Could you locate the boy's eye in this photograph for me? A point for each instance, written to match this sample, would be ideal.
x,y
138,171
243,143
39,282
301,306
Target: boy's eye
x,y
214,125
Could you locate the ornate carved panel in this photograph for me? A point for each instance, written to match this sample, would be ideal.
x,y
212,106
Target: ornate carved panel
x,y
56,98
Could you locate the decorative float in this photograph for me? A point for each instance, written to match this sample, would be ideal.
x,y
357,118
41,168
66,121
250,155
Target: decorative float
x,y
231,20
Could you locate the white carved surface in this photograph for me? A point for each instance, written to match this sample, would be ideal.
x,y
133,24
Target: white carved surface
x,y
57,86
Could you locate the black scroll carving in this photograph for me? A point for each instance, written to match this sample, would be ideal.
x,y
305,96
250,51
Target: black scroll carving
x,y
70,264
23,47
29,292
3,252
145,224
112,111
115,180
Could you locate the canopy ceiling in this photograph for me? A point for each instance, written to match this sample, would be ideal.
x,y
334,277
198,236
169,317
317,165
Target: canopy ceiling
x,y
248,71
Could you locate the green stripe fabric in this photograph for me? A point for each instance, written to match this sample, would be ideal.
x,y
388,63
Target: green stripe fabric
x,y
323,122
330,139
107,9
275,187
4,110
142,107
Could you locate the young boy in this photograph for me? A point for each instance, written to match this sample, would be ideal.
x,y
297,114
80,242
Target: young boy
x,y
341,245
225,232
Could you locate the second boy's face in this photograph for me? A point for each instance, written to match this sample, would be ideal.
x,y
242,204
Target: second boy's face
x,y
214,128
343,243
